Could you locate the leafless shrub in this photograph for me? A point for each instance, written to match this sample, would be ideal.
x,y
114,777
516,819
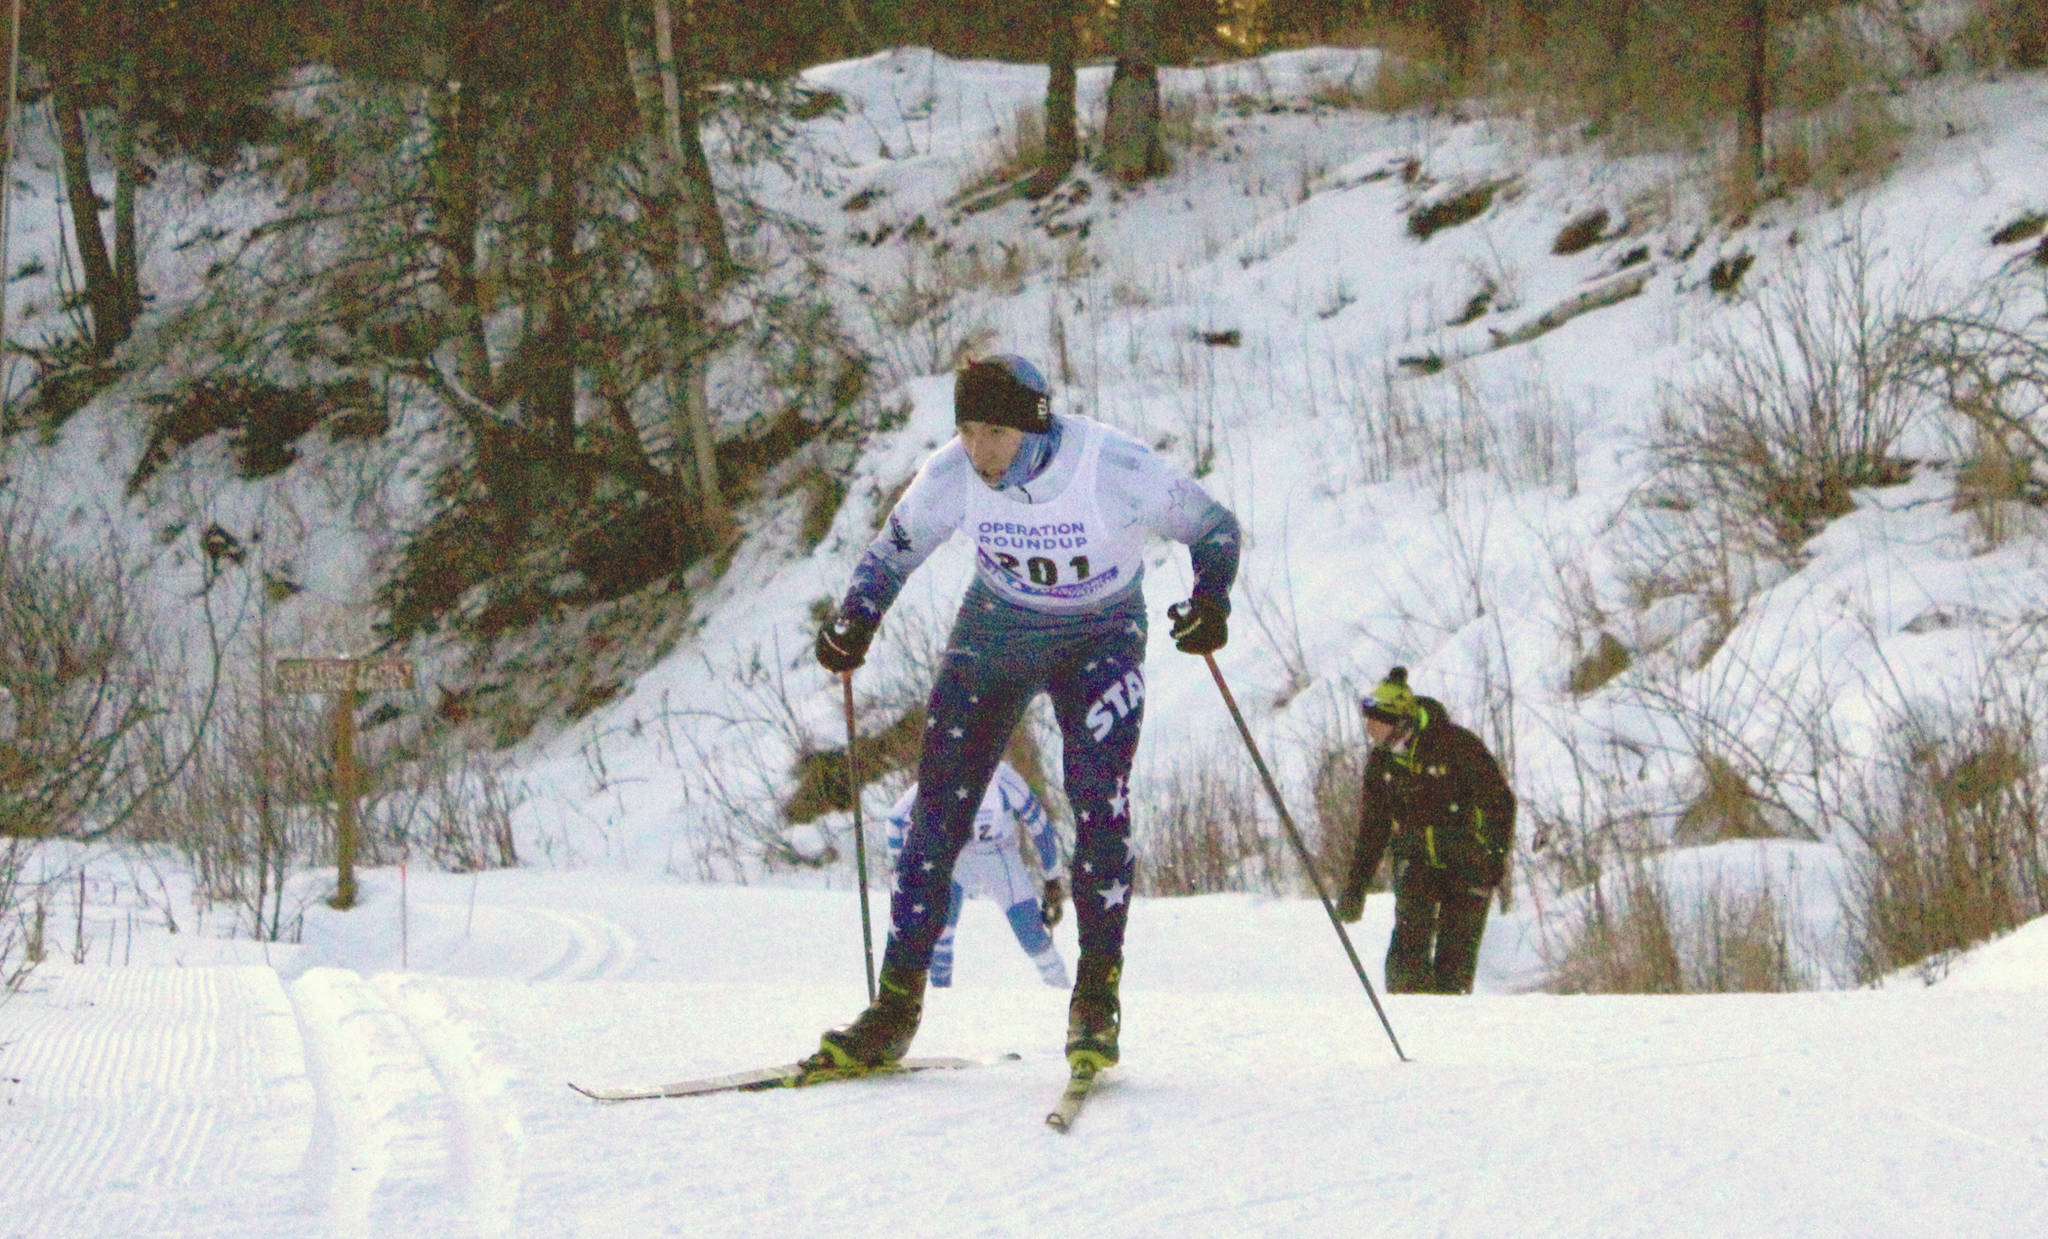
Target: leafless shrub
x,y
929,319
1625,941
1808,393
1443,427
1632,934
1987,361
21,947
1749,736
1201,833
1404,81
1992,482
76,694
1336,752
1957,852
1017,151
457,808
1845,148
251,806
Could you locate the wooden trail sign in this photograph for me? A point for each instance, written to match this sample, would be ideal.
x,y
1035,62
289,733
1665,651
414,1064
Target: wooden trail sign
x,y
342,675
346,679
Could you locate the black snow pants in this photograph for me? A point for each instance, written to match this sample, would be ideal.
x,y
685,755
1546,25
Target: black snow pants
x,y
1438,921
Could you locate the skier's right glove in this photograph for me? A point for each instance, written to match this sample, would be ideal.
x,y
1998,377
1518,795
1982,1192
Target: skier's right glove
x,y
843,642
1054,905
1350,907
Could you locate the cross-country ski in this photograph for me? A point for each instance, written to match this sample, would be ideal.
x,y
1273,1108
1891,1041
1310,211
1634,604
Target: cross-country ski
x,y
1080,1084
789,1075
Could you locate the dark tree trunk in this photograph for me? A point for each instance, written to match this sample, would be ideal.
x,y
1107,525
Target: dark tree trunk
x,y
127,165
110,324
1062,128
1130,132
1453,20
553,391
1616,23
1753,23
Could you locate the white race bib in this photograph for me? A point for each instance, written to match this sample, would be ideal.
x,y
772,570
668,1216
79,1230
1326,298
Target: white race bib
x,y
1058,555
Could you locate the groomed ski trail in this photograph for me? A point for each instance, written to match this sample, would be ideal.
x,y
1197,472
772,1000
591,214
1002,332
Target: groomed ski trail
x,y
143,1099
411,1124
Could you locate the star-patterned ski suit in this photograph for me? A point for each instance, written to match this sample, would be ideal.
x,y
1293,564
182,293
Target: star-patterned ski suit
x,y
1056,606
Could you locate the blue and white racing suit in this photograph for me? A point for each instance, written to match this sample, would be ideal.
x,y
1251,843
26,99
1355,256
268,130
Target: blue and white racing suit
x,y
1056,606
992,865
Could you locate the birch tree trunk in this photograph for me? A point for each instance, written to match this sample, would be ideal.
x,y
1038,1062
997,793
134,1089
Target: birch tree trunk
x,y
689,346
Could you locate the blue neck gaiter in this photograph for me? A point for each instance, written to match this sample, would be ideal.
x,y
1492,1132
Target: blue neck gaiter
x,y
1033,455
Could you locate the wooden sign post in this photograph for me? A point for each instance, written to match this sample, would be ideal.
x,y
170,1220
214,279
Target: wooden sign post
x,y
345,679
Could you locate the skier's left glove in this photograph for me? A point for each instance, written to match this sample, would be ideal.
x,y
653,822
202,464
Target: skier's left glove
x,y
1199,625
1054,905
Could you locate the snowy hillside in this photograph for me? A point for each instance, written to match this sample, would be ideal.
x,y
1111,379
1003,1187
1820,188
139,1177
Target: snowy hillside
x,y
1438,462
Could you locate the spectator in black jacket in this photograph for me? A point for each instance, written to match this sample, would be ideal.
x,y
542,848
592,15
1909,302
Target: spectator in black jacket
x,y
1435,792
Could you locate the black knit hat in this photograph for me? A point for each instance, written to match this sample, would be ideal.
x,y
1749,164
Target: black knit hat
x,y
1003,391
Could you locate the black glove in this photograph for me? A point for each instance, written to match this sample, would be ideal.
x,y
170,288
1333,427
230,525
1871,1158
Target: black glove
x,y
1199,625
1054,905
843,642
1350,907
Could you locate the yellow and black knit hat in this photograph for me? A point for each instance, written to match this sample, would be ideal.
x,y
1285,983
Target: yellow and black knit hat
x,y
1391,700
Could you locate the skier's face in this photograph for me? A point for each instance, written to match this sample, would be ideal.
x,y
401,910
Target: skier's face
x,y
990,448
1379,731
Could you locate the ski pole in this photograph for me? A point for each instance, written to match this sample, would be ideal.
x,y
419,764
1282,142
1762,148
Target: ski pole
x,y
1301,850
860,837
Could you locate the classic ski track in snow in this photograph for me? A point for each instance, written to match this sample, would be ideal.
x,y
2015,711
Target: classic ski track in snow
x,y
596,946
410,1121
141,1091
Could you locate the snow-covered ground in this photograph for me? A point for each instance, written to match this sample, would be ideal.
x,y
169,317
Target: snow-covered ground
x,y
403,1068
331,1092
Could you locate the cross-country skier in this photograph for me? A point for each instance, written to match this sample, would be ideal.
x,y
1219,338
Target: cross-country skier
x,y
1433,789
1059,509
992,864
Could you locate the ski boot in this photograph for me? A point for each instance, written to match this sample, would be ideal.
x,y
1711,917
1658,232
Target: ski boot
x,y
879,1035
1093,1014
